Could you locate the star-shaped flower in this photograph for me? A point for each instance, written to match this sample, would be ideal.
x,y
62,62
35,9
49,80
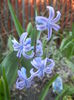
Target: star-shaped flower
x,y
22,80
23,47
43,66
49,23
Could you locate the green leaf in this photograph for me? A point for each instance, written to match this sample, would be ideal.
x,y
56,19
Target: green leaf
x,y
6,87
16,22
73,30
70,64
10,46
38,34
1,90
67,47
63,43
10,63
33,36
36,11
29,28
46,88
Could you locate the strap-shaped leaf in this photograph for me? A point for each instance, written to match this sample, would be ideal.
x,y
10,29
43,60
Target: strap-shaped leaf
x,y
16,21
4,89
10,63
29,28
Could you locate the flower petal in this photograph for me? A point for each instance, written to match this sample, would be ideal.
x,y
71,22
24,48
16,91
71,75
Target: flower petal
x,y
22,73
20,84
19,53
23,70
51,63
41,27
41,19
55,20
39,51
27,48
36,62
55,27
39,48
49,66
51,12
40,74
16,45
33,74
49,33
23,37
27,56
28,41
39,42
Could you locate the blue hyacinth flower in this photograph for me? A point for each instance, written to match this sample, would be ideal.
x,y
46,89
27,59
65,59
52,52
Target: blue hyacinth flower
x,y
43,23
22,80
23,46
57,85
42,66
39,49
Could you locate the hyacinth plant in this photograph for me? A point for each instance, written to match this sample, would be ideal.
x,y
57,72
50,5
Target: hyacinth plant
x,y
27,53
43,66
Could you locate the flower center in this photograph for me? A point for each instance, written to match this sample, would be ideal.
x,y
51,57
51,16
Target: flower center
x,y
48,23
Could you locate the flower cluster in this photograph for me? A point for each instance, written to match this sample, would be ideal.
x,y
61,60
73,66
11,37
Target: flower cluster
x,y
23,47
41,67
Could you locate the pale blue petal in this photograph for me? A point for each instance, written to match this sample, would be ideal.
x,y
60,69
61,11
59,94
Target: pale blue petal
x,y
23,70
41,19
48,70
44,62
15,45
39,51
33,74
55,20
29,82
49,66
27,56
49,33
32,71
55,27
27,48
22,73
23,37
39,42
51,63
40,74
28,41
39,48
36,62
20,84
41,27
19,53
51,12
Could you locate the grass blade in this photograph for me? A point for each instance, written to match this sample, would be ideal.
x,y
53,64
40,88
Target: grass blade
x,y
16,22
